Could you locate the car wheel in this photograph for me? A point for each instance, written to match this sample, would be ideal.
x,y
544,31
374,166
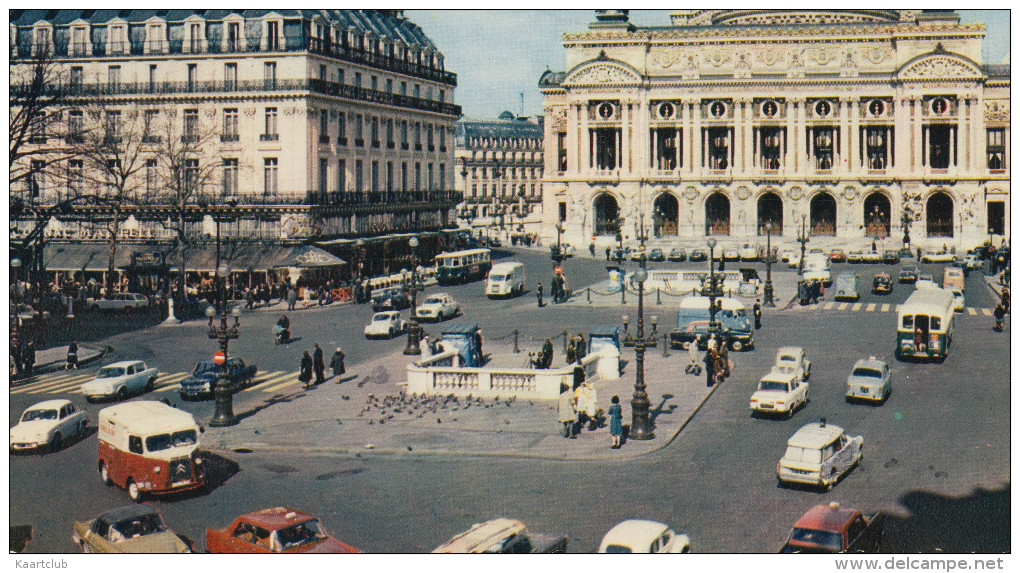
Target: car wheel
x,y
391,332
122,393
83,428
789,413
55,442
736,346
133,492
685,345
104,474
150,384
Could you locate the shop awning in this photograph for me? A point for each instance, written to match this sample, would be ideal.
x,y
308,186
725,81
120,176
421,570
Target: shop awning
x,y
87,257
240,257
309,257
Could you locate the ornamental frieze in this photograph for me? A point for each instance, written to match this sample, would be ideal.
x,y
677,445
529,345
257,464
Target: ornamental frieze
x,y
849,193
996,111
743,193
795,193
940,67
602,73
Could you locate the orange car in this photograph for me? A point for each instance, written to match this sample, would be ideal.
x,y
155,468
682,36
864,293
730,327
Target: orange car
x,y
274,530
832,529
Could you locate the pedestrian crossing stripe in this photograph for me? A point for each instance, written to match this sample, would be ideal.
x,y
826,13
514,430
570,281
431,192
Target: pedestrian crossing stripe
x,y
62,382
971,311
170,380
986,311
885,308
842,306
265,379
875,307
288,380
856,307
871,307
828,306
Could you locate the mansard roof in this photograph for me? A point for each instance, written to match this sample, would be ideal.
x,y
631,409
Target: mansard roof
x,y
517,128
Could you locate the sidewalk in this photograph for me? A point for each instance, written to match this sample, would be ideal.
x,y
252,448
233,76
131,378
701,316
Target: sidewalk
x,y
366,415
53,359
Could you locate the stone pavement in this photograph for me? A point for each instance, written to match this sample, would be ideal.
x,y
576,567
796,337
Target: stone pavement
x,y
364,415
53,359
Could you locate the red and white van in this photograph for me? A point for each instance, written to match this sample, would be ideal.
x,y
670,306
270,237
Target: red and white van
x,y
149,447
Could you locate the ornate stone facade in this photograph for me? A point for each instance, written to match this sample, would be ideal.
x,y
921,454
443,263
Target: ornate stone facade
x,y
852,123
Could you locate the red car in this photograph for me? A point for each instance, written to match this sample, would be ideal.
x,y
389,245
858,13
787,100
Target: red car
x,y
832,529
837,256
274,530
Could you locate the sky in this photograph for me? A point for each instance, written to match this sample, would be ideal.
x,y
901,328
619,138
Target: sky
x,y
499,54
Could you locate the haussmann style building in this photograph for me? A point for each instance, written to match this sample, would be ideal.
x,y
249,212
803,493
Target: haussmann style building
x,y
851,123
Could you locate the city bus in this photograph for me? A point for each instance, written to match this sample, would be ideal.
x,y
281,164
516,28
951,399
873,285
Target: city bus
x,y
463,266
925,325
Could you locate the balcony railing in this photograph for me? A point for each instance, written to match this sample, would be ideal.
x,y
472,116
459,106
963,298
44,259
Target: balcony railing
x,y
338,198
269,137
228,137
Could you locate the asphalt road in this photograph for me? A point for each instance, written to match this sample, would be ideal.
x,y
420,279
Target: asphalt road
x,y
936,455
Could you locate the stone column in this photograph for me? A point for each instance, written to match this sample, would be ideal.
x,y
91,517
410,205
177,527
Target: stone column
x,y
855,155
844,139
687,145
573,143
585,158
698,138
738,136
792,108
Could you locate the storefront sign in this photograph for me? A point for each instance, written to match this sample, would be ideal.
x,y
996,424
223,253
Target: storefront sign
x,y
147,259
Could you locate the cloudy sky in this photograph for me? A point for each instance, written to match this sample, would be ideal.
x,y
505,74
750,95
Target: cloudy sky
x,y
499,54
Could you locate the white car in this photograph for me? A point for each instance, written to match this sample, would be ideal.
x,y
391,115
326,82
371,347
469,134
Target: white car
x,y
438,307
933,256
120,301
780,392
972,261
925,281
958,301
47,424
792,359
748,252
385,324
794,260
819,454
872,257
870,380
119,379
644,536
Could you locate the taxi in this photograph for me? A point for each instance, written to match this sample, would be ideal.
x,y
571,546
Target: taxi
x,y
870,380
819,454
779,392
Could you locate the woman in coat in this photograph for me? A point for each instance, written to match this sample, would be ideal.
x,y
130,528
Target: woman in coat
x,y
567,411
337,364
616,422
306,369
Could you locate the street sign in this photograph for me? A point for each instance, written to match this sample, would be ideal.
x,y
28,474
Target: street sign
x,y
219,358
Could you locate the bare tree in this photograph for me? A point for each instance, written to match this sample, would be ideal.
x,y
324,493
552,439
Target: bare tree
x,y
185,175
113,157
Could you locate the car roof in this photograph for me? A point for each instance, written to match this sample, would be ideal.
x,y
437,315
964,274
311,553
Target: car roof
x,y
631,529
124,363
154,416
815,435
779,375
481,536
45,404
274,518
128,512
826,518
869,362
702,302
794,350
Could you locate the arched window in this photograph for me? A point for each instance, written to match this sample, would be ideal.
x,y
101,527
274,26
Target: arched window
x,y
939,220
823,214
876,215
606,213
667,214
717,214
770,209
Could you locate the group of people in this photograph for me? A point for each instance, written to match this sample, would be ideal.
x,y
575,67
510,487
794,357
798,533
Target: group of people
x,y
579,407
1001,309
810,291
22,356
717,360
314,366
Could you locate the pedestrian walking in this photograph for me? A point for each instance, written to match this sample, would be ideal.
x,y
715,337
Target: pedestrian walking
x,y
580,349
479,355
694,367
608,250
72,355
337,364
615,422
757,313
591,249
571,350
305,376
709,367
249,299
567,413
1000,316
319,364
291,298
28,356
538,294
547,353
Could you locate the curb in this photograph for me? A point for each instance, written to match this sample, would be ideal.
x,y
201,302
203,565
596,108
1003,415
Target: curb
x,y
59,365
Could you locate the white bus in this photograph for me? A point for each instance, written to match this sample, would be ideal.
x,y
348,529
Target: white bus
x,y
925,325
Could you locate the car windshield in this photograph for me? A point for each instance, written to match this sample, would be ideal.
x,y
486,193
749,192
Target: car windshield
x,y
774,386
140,525
39,415
174,440
815,537
798,454
109,372
381,317
494,278
787,358
434,300
204,367
618,549
867,373
298,534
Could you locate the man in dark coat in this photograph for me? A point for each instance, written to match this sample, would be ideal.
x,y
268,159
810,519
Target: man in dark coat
x,y
538,294
709,367
337,364
757,313
306,369
319,364
547,353
28,356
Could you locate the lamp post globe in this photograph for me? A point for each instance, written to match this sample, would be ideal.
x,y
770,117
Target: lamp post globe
x,y
414,329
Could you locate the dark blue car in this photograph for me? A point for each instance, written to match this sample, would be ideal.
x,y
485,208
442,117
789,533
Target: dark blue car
x,y
202,381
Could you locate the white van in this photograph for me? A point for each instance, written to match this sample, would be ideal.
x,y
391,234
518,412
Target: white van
x,y
505,280
818,268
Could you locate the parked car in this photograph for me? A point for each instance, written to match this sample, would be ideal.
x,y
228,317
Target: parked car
x,y
792,358
972,262
819,454
959,302
882,283
855,257
385,324
438,307
731,254
953,277
869,380
677,255
785,255
656,255
848,286
833,529
908,274
937,256
793,260
644,536
891,257
47,424
872,257
135,528
202,381
274,530
781,392
837,256
502,535
748,252
925,280
119,379
567,250
126,301
390,298
698,255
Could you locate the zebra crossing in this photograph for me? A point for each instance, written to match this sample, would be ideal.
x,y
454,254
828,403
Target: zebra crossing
x,y
70,381
876,307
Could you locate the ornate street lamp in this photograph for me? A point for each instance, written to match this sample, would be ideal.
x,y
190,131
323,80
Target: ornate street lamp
x,y
769,293
802,238
640,428
224,392
556,253
713,326
16,265
414,329
619,260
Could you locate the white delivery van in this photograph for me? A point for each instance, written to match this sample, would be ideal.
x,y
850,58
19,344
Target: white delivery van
x,y
505,280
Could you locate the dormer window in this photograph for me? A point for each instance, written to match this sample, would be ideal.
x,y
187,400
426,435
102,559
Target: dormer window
x,y
155,38
271,38
80,45
116,40
194,42
42,40
233,38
